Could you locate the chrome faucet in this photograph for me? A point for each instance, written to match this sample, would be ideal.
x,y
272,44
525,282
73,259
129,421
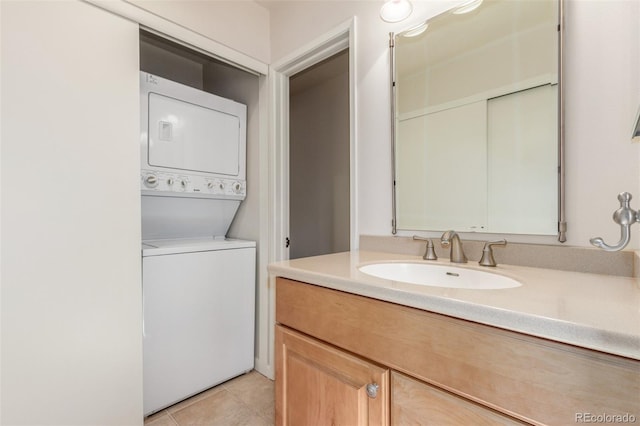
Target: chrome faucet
x,y
456,254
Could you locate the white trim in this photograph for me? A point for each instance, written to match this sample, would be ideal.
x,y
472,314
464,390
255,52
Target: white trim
x,y
281,165
313,57
277,166
264,292
353,139
317,50
274,223
181,34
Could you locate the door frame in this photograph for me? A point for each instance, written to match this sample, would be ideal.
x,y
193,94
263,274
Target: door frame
x,y
277,164
340,38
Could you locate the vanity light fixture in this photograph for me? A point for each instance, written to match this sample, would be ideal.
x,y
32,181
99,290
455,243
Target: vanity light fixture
x,y
467,7
415,31
395,10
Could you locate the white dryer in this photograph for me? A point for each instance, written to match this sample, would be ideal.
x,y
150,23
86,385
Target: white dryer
x,y
192,160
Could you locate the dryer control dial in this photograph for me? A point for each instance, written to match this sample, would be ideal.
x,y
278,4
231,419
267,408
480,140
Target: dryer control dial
x,y
184,183
215,186
151,181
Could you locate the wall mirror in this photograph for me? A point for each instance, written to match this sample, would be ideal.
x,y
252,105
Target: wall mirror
x,y
477,120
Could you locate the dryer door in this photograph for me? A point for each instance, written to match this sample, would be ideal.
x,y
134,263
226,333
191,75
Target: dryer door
x,y
189,137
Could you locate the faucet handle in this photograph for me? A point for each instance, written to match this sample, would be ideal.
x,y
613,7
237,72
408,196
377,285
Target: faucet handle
x,y
430,253
487,252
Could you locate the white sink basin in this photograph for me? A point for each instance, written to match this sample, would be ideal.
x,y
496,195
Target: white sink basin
x,y
439,275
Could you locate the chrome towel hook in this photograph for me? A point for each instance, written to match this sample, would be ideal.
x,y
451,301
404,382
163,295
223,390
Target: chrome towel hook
x,y
625,216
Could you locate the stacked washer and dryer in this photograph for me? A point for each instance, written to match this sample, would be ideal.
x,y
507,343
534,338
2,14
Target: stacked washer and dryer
x,y
198,286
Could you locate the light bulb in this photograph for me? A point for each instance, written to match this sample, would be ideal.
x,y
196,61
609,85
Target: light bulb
x,y
395,10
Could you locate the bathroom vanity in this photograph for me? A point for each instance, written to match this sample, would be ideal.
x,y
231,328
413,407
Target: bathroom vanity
x,y
562,348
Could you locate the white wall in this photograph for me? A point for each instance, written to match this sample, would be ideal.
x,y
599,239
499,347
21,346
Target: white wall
x,y
71,294
603,65
603,95
241,25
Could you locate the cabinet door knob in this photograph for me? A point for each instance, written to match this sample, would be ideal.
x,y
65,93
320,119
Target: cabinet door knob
x,y
372,390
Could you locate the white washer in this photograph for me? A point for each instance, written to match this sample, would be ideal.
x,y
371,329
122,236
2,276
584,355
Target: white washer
x,y
199,314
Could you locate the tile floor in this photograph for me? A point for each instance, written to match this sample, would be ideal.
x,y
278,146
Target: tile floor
x,y
247,400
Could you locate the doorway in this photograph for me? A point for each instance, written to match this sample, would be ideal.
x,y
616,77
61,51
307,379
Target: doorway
x,y
276,167
319,158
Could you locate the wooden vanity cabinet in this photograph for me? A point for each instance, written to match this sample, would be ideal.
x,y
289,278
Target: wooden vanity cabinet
x,y
417,403
443,370
317,384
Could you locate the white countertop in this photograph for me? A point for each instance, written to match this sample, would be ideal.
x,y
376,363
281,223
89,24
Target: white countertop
x,y
599,312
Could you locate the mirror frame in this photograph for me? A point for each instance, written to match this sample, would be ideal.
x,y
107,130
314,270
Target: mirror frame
x,y
562,223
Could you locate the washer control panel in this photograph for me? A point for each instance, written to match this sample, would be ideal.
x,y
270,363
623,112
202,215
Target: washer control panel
x,y
170,184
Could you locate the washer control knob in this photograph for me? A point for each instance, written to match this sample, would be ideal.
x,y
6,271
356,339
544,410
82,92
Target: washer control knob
x,y
184,183
210,185
237,186
151,181
170,181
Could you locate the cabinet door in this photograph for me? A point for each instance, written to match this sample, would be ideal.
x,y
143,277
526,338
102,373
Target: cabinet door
x,y
417,403
317,384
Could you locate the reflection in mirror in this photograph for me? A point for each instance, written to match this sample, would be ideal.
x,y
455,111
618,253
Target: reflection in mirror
x,y
635,135
476,120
